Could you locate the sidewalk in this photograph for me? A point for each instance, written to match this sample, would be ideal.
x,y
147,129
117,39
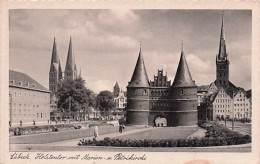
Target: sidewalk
x,y
74,142
199,133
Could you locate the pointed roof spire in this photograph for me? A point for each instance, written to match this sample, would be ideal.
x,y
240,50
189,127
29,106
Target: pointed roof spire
x,y
222,54
222,35
116,85
183,77
139,78
70,57
55,57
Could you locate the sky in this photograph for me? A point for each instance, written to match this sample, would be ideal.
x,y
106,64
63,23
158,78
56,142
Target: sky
x,y
106,43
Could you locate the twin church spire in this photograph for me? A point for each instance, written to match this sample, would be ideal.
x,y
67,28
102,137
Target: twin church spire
x,y
56,75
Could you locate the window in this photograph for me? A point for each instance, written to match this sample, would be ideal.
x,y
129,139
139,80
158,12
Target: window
x,y
41,115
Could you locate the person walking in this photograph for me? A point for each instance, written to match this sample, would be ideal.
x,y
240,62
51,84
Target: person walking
x,y
120,128
96,132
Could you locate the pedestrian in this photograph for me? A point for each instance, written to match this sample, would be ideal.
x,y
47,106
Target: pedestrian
x,y
96,132
120,128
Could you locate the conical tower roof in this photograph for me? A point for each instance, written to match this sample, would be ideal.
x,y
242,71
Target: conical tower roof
x,y
116,85
183,77
55,57
139,78
70,58
222,43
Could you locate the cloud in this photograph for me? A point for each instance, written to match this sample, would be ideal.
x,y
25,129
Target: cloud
x,y
106,43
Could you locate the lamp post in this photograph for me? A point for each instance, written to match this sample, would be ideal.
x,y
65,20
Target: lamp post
x,y
10,107
69,107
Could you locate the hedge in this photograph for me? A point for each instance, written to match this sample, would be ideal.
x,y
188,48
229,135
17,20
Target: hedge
x,y
187,142
41,129
216,135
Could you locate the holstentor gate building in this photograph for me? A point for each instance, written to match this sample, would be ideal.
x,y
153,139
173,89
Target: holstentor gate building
x,y
148,100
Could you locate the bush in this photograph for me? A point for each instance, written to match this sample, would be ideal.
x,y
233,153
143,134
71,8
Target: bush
x,y
41,129
187,142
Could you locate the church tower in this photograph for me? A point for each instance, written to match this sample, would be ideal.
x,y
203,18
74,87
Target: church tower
x,y
138,92
222,62
55,73
70,69
183,97
116,90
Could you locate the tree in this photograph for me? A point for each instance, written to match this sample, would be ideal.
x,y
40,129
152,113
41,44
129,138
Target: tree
x,y
105,102
74,96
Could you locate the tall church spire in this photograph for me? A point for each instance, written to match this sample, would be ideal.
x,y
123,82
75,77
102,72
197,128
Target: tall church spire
x,y
139,78
54,58
183,77
222,62
70,57
70,69
222,54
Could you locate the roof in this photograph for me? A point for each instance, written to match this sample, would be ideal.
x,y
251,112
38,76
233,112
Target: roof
x,y
231,90
55,57
24,81
139,78
203,88
70,58
249,93
183,77
116,85
222,54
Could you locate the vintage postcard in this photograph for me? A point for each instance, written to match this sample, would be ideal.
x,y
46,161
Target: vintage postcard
x,y
130,82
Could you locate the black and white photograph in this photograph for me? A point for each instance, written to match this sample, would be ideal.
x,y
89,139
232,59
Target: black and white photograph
x,y
130,82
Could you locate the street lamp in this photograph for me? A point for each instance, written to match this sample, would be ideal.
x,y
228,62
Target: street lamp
x,y
69,107
10,107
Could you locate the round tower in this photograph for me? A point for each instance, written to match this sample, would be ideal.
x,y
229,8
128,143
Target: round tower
x,y
138,92
183,97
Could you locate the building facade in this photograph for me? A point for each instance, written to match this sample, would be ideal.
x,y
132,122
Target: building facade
x,y
120,101
222,106
29,100
242,106
147,101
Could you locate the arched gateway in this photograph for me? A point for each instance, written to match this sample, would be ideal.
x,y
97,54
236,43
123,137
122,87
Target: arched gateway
x,y
160,121
146,101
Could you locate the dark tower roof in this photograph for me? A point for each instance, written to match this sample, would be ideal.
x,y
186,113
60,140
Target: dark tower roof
x,y
139,78
183,77
70,57
116,85
60,71
222,54
54,58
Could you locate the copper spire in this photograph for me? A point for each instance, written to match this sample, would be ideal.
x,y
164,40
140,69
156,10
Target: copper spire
x,y
54,58
183,77
222,45
70,58
116,85
60,71
139,78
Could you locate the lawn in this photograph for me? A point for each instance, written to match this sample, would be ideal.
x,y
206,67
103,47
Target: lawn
x,y
61,136
162,133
